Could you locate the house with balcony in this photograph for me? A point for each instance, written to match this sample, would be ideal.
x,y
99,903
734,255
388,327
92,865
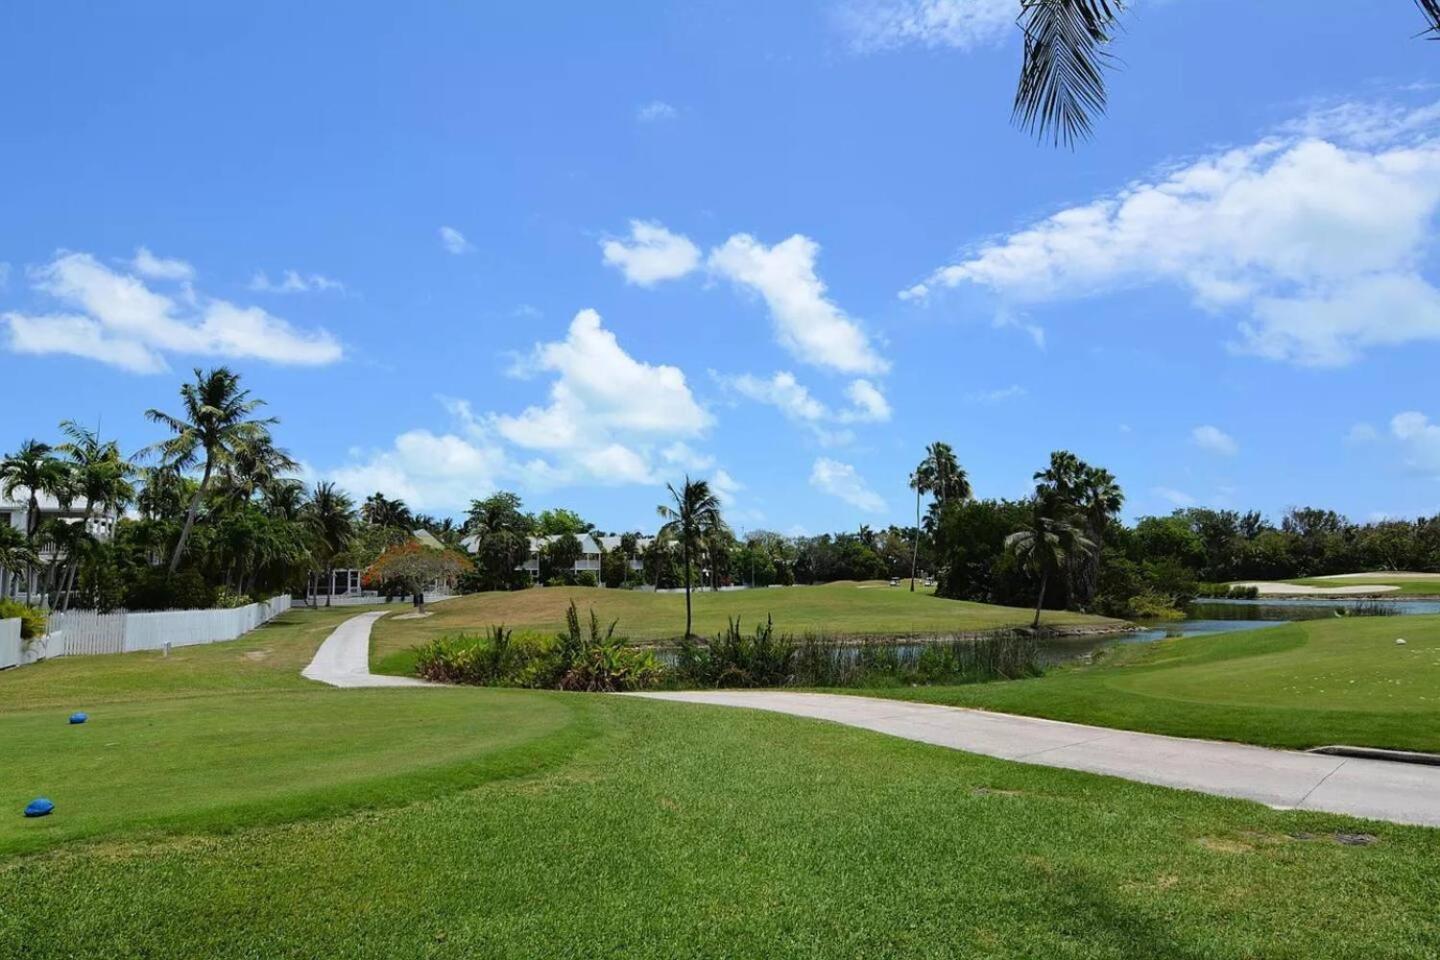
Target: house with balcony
x,y
16,513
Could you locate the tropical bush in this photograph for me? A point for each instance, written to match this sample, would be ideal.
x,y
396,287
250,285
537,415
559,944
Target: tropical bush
x,y
33,621
585,578
577,659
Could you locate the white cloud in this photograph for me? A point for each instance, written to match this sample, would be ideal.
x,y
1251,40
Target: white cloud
x,y
147,264
682,456
610,420
807,324
962,24
654,111
1315,237
116,319
784,392
428,471
1420,441
652,254
725,486
1178,498
454,241
867,403
1214,440
840,480
1000,395
292,281
1362,433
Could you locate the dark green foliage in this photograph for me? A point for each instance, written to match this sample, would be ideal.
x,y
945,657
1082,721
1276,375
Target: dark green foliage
x,y
33,621
763,658
588,659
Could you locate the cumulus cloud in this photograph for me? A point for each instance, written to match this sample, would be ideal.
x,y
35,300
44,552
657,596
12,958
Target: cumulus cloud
x,y
962,24
1214,440
841,480
1314,236
147,264
652,254
610,419
114,318
1420,441
292,281
655,111
867,404
454,241
809,325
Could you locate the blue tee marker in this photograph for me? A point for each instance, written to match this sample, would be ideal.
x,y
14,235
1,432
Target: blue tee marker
x,y
79,717
39,807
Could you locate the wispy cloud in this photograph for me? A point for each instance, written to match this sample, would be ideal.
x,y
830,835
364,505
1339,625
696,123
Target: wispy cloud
x,y
292,281
655,111
1214,440
454,241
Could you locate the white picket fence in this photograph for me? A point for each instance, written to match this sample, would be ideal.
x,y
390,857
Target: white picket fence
x,y
83,632
9,643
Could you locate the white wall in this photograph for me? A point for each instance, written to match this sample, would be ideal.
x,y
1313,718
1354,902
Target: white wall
x,y
9,643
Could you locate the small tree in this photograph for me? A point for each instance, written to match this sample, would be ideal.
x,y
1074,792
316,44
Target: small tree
x,y
413,567
561,553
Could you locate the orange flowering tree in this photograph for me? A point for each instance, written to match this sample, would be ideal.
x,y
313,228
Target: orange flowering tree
x,y
413,567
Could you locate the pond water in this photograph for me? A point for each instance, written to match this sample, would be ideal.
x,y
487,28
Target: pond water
x,y
1229,616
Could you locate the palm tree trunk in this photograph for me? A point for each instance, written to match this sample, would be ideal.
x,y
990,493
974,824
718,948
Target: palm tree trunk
x,y
686,552
330,585
915,544
1040,602
190,516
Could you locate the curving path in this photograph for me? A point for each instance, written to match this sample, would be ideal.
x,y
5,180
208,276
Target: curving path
x,y
1285,779
343,660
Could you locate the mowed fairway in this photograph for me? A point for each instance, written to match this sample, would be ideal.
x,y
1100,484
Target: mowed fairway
x,y
229,734
837,609
584,825
1319,682
1406,585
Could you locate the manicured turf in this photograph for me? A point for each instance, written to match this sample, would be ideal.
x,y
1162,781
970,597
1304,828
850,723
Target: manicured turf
x,y
1408,587
577,825
1299,685
698,832
230,734
848,609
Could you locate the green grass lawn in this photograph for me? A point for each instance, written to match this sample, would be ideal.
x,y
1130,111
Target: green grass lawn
x,y
1408,587
575,825
217,736
844,609
1299,685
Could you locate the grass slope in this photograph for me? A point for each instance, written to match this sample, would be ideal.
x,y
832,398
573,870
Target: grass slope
x,y
848,608
683,831
1300,685
224,735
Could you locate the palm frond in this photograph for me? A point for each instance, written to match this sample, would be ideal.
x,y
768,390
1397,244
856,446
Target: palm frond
x,y
1062,79
1430,9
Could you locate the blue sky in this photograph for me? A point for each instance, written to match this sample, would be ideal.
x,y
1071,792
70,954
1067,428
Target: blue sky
x,y
576,250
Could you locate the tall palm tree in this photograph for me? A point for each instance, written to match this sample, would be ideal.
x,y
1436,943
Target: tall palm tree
x,y
693,518
16,554
1062,78
35,469
380,511
939,473
330,515
1044,545
253,464
216,420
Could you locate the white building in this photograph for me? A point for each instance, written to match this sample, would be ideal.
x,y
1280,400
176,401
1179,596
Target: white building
x,y
16,513
592,551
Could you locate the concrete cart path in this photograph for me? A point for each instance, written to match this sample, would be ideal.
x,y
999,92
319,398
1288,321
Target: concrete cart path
x,y
1285,779
343,660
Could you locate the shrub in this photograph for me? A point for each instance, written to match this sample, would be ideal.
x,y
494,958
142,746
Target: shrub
x,y
734,659
599,661
33,621
228,600
155,589
1153,606
585,578
496,658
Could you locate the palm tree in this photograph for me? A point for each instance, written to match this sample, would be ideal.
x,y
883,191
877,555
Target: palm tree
x,y
1062,79
330,515
15,554
215,423
382,512
254,464
1043,545
693,518
34,469
939,473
